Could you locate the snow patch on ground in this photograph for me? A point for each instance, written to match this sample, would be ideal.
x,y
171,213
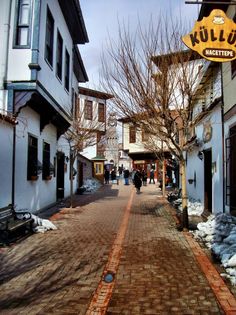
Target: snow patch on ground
x,y
219,235
91,185
39,225
194,207
42,225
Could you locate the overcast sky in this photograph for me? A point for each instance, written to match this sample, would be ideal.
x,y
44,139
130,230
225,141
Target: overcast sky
x,y
101,18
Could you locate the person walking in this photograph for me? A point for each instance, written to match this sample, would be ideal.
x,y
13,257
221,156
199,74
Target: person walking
x,y
144,177
137,181
126,176
106,176
113,176
132,175
151,179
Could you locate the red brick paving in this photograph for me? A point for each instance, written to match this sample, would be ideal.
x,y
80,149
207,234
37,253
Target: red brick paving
x,y
58,272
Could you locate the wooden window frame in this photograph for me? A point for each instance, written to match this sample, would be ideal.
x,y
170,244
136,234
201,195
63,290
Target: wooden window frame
x,y
32,162
46,160
144,136
98,168
132,134
59,56
88,110
77,106
20,25
49,38
67,71
101,112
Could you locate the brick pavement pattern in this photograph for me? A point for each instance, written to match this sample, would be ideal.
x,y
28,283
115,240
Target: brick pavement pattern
x,y
58,272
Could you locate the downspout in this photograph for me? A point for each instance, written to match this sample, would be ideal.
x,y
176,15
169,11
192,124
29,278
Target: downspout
x,y
13,166
34,65
5,17
223,135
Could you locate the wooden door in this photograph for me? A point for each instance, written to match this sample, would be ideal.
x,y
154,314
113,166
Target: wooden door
x,y
60,175
208,180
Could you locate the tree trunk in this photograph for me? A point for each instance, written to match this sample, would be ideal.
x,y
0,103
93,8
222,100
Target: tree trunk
x,y
71,180
163,178
184,195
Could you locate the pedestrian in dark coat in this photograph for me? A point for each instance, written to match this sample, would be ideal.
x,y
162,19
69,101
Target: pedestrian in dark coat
x,y
113,176
106,176
144,177
151,176
137,181
126,176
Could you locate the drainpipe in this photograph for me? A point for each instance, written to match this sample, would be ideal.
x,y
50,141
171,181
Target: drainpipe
x,y
13,167
34,65
5,17
223,135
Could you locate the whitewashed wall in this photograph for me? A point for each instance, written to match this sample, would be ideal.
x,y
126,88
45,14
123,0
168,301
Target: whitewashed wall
x,y
91,151
6,141
194,164
229,84
47,74
227,125
18,59
139,145
33,195
87,123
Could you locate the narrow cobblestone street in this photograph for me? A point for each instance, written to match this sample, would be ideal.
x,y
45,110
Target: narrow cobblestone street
x,y
155,270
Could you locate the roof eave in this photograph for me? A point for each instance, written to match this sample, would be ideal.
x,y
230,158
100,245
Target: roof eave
x,y
94,93
74,20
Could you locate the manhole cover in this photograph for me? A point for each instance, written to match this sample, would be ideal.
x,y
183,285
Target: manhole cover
x,y
109,277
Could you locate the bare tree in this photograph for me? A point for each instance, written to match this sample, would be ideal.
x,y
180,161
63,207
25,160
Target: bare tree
x,y
82,134
153,79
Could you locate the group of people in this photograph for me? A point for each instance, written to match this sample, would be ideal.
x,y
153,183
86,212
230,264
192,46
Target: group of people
x,y
110,175
139,177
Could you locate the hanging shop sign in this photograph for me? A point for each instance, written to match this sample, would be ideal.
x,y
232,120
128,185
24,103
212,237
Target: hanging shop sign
x,y
214,37
139,162
207,131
